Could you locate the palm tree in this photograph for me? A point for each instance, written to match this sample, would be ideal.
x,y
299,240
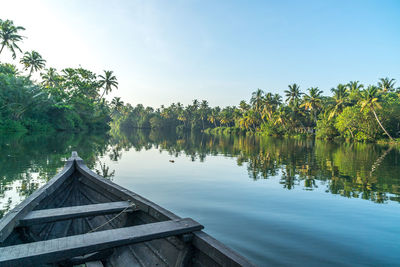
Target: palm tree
x,y
370,100
355,86
248,121
281,116
203,111
195,104
386,84
108,81
257,99
293,94
50,78
313,101
117,104
268,106
213,117
33,61
277,99
9,36
243,106
340,95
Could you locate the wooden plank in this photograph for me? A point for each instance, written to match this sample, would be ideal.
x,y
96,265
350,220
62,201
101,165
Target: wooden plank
x,y
66,213
94,264
60,249
95,256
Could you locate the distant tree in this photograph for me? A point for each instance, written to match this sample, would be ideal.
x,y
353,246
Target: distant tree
x,y
203,110
117,104
386,85
257,99
313,101
293,94
340,95
33,61
370,100
244,106
108,81
355,86
50,77
9,36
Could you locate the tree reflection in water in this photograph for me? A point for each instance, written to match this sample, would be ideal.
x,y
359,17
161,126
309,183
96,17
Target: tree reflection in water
x,y
354,170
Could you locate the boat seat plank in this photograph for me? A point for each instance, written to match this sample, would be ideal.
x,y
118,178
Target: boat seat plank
x,y
64,248
59,214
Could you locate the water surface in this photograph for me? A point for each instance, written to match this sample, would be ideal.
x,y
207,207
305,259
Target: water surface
x,y
276,201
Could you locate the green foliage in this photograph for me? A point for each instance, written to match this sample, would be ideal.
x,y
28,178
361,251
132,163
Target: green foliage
x,y
326,129
272,129
352,113
65,101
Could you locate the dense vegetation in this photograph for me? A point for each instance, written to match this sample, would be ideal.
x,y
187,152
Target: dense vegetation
x,y
353,112
71,99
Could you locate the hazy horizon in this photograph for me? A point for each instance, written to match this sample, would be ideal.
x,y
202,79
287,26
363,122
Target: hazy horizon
x,y
164,52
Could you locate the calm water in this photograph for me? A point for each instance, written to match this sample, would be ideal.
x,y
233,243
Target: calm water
x,y
276,201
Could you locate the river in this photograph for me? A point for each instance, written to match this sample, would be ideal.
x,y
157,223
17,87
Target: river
x,y
276,201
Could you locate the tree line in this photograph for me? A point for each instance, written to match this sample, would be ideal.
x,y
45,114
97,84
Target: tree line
x,y
72,99
354,111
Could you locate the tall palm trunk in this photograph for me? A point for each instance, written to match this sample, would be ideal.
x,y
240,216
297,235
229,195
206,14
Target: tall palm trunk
x,y
2,47
101,97
380,124
103,93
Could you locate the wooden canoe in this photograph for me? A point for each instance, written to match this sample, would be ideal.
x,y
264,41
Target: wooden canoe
x,y
79,217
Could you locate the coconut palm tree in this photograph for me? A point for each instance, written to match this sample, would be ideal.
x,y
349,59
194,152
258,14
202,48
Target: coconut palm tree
x,y
203,110
277,99
281,116
370,100
33,61
9,36
355,86
386,85
243,106
50,78
312,101
268,106
257,99
293,94
108,81
117,104
340,95
213,116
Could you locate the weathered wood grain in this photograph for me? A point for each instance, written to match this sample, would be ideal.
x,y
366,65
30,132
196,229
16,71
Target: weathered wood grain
x,y
94,264
60,249
59,214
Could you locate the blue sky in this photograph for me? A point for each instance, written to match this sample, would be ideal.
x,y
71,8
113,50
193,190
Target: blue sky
x,y
169,51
